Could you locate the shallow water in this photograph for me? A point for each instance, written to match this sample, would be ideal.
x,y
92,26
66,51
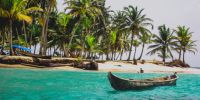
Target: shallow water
x,y
29,84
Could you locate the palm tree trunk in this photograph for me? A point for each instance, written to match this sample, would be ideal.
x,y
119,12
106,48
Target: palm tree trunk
x,y
35,48
64,49
42,41
107,56
130,50
31,39
45,35
17,34
183,57
73,33
55,49
3,40
83,47
121,54
164,54
180,55
141,52
112,55
25,35
43,44
11,35
135,53
2,44
172,56
50,51
115,53
118,56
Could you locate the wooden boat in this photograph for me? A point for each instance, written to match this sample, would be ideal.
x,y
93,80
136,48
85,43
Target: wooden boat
x,y
131,84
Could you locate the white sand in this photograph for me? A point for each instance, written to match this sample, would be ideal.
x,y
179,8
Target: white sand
x,y
147,67
119,67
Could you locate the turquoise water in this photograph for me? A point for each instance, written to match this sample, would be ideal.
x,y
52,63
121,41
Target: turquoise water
x,y
27,84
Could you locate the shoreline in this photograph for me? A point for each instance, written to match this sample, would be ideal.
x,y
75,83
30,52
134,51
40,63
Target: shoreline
x,y
113,67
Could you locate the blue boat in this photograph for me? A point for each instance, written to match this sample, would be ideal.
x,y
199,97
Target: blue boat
x,y
21,48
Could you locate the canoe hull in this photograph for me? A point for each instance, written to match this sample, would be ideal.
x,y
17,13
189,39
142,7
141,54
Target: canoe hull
x,y
127,84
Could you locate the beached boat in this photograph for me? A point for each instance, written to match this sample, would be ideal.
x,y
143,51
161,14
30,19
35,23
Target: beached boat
x,y
131,84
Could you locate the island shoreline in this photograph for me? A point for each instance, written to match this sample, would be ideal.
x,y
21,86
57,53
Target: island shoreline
x,y
111,66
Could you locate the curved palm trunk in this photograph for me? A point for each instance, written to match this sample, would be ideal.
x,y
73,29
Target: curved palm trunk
x,y
141,52
135,53
70,41
11,35
130,50
117,56
43,43
172,56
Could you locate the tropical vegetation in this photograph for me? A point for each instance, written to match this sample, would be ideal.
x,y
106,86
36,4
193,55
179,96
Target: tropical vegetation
x,y
88,29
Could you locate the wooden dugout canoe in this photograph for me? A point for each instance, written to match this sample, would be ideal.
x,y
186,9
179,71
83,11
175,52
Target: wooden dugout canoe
x,y
131,84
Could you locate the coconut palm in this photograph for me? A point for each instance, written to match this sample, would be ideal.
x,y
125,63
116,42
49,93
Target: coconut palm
x,y
119,23
63,20
92,45
15,10
184,42
48,6
162,42
85,12
3,34
136,44
145,38
136,22
112,41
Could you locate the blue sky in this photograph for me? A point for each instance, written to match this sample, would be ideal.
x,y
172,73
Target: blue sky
x,y
169,12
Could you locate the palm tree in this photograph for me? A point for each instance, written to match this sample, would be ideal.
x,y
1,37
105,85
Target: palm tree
x,y
63,20
136,22
92,45
3,33
162,42
184,42
118,22
48,6
15,10
145,38
86,13
136,43
113,40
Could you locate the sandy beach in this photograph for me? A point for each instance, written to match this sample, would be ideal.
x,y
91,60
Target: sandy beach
x,y
114,67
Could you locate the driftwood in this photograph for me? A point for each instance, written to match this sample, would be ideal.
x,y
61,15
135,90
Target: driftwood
x,y
33,55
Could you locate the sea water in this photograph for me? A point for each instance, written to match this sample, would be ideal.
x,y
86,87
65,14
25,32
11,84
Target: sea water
x,y
32,84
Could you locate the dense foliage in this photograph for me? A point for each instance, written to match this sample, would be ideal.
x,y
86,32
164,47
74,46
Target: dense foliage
x,y
87,29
